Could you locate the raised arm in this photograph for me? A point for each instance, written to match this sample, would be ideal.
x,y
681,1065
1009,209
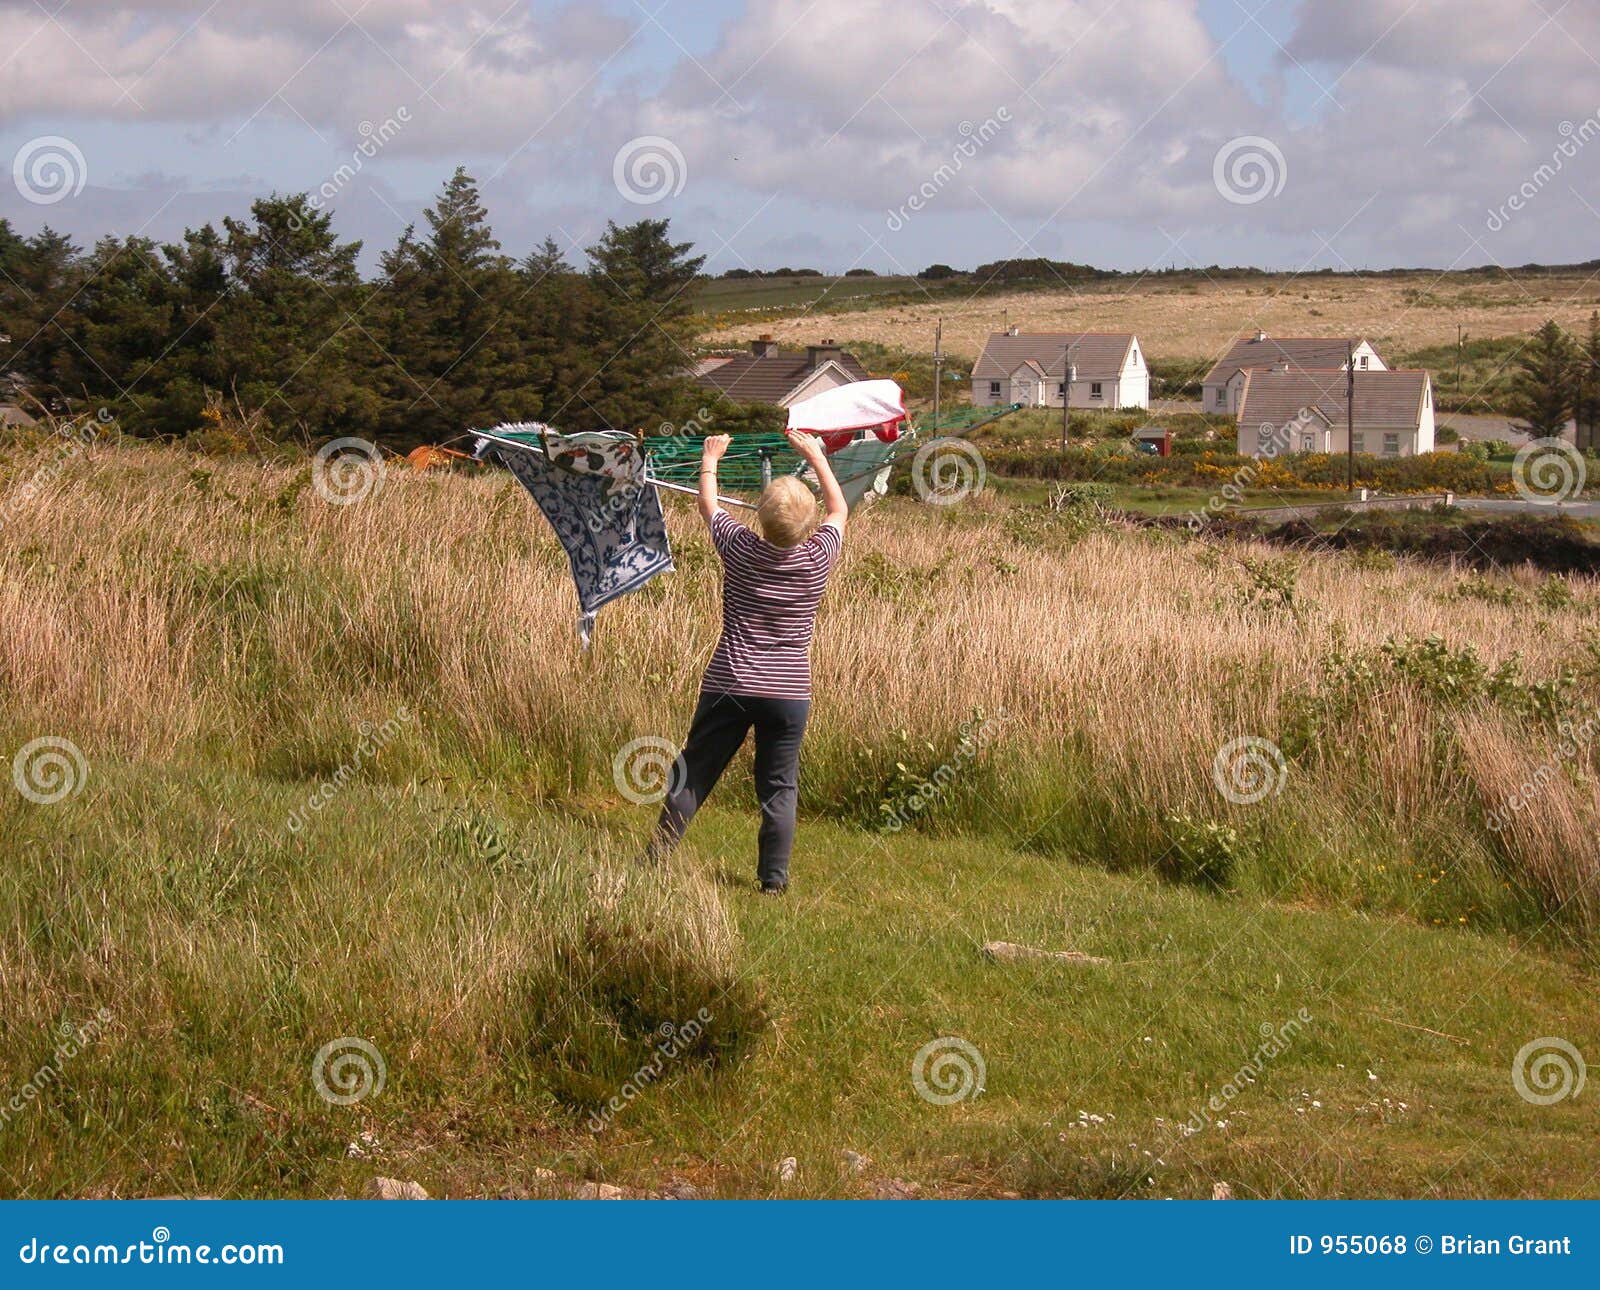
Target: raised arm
x,y
710,454
836,509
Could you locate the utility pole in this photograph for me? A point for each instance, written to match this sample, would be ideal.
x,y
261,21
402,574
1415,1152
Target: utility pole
x,y
1461,340
1067,375
1350,417
938,369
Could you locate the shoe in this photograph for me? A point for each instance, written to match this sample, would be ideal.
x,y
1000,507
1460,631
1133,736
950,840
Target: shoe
x,y
774,889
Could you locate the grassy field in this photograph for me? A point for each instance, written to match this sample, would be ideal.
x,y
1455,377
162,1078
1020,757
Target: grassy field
x,y
1186,323
342,775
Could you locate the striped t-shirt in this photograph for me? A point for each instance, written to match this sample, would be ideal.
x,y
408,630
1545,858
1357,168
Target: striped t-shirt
x,y
769,604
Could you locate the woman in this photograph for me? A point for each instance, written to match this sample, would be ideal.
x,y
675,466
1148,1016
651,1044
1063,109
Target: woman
x,y
760,674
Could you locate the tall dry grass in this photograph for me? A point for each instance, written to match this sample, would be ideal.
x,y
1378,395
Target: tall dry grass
x,y
162,607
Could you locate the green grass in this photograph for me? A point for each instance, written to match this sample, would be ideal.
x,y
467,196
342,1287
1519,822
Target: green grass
x,y
225,959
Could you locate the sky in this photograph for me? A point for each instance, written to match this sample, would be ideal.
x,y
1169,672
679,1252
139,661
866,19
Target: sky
x,y
832,134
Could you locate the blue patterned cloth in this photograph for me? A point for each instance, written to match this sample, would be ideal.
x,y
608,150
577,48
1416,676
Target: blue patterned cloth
x,y
596,493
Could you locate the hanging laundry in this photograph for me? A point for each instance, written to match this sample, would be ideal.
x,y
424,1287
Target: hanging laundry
x,y
596,492
837,416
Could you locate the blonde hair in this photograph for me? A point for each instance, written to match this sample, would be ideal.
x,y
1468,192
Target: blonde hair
x,y
786,511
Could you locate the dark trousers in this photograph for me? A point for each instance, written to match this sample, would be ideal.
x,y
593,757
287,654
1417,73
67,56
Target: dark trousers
x,y
721,722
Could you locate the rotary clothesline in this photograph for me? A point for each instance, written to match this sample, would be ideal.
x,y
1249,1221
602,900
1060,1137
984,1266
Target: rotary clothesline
x,y
599,490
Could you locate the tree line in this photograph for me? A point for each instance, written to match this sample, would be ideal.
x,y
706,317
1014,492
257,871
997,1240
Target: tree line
x,y
269,316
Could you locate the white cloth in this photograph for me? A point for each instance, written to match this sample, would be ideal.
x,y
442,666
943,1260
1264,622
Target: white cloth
x,y
861,405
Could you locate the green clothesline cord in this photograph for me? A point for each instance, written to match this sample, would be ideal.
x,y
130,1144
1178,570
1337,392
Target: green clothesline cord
x,y
753,459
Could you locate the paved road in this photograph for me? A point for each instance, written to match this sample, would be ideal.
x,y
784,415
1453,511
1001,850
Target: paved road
x,y
1515,505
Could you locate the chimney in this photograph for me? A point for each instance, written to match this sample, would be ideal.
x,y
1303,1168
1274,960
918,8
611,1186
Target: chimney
x,y
1281,366
765,347
817,355
1012,330
1260,335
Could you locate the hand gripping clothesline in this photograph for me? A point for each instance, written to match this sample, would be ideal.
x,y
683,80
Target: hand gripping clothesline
x,y
600,490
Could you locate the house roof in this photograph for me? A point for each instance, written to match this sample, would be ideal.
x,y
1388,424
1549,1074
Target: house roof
x,y
12,415
1308,353
747,378
1389,400
1098,355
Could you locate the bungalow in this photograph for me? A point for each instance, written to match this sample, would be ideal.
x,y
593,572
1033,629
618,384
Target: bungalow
x,y
769,375
1219,391
1282,410
1108,370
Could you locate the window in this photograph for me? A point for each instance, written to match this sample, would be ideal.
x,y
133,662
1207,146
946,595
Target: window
x,y
1264,440
1391,445
1427,396
1061,388
1222,396
994,389
1363,362
1094,390
1308,443
1136,356
1358,442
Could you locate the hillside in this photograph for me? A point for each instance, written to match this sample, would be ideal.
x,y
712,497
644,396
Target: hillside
x,y
346,817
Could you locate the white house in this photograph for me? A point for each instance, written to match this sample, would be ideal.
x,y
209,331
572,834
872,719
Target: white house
x,y
770,375
1219,391
1282,410
1108,370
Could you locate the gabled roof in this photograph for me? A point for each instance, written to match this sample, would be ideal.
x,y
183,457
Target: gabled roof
x,y
746,378
1306,353
1030,366
1098,355
1389,400
12,415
